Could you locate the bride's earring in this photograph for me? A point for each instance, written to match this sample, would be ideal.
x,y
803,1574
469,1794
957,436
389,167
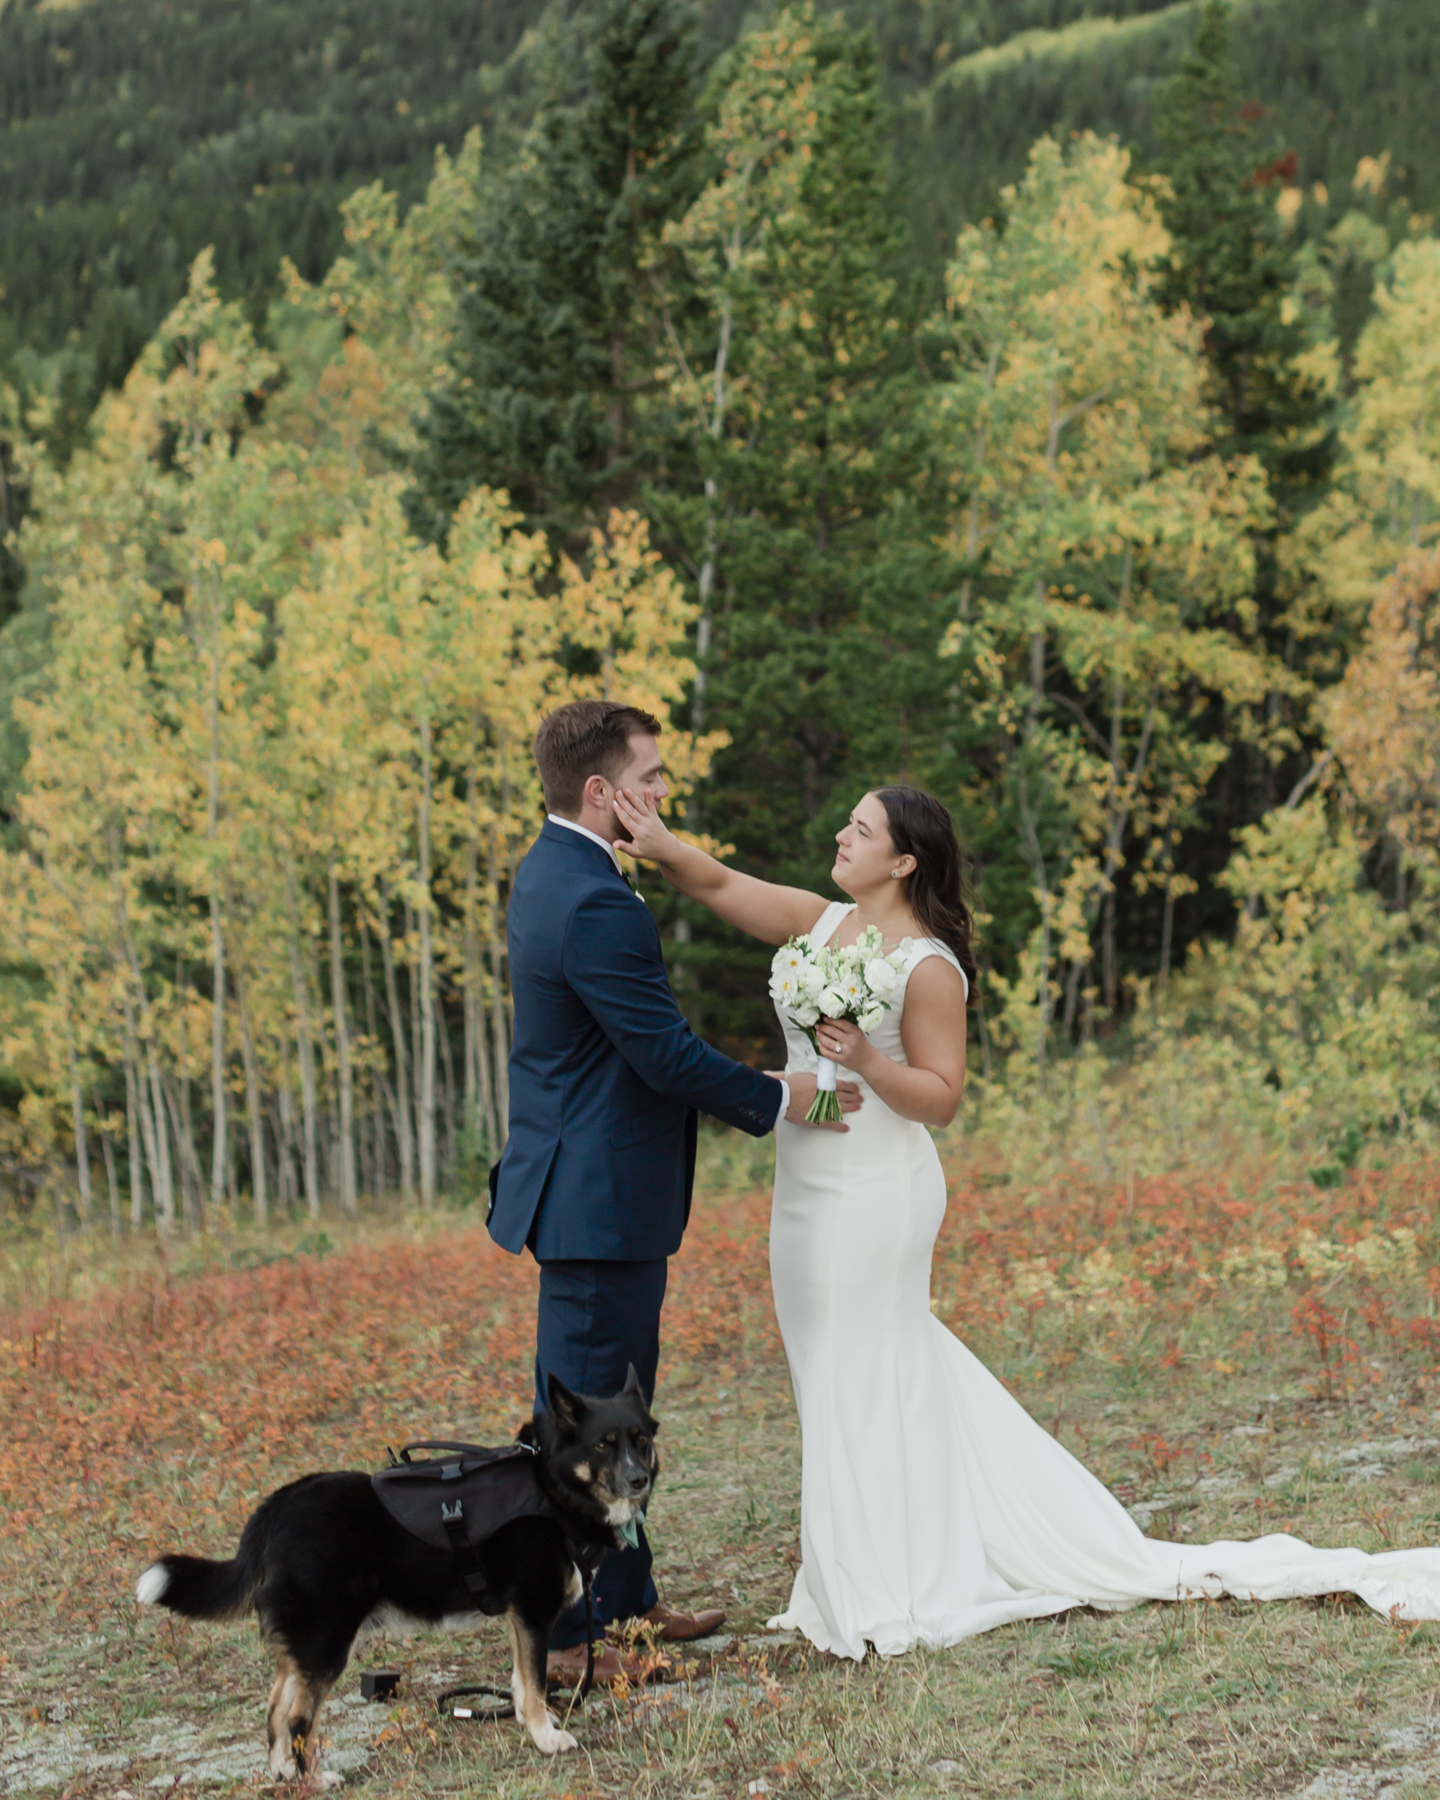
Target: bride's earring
x,y
894,874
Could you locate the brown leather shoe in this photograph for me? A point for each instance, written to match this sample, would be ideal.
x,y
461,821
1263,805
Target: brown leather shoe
x,y
566,1668
682,1628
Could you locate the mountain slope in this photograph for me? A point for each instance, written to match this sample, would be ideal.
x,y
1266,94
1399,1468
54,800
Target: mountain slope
x,y
134,132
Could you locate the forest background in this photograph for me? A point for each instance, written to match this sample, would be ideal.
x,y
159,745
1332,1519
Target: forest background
x,y
1038,407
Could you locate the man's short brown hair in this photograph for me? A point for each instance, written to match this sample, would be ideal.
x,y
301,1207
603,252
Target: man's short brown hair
x,y
585,738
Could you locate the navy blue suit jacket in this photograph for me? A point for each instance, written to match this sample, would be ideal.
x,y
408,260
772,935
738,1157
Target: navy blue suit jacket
x,y
605,1075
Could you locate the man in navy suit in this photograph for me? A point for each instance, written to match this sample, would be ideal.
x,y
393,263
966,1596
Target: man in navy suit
x,y
606,1081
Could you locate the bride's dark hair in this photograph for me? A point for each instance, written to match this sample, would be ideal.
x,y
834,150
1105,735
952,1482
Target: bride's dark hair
x,y
921,827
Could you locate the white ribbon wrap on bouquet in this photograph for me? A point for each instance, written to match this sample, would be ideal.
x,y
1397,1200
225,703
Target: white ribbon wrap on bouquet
x,y
825,1076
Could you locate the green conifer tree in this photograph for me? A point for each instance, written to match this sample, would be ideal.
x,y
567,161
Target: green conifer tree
x,y
1228,263
554,353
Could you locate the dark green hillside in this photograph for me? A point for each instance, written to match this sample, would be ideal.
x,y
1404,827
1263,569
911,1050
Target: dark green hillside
x,y
1331,79
134,132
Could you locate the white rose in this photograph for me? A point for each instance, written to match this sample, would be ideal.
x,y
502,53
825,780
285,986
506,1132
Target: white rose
x,y
806,1013
869,1020
831,1003
882,977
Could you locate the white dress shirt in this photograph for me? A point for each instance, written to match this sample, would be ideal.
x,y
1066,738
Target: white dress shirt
x,y
609,849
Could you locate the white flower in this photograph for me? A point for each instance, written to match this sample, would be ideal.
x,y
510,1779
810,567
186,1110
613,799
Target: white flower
x,y
832,1004
784,990
788,957
881,977
869,1020
806,1013
812,980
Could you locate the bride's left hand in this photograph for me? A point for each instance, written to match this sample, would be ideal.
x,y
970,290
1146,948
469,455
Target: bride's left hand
x,y
844,1043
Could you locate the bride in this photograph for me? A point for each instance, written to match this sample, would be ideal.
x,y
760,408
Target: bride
x,y
932,1506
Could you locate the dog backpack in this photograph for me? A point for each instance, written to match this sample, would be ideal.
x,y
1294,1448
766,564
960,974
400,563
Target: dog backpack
x,y
458,1501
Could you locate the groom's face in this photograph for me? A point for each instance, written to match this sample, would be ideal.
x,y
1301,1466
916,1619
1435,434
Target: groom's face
x,y
643,774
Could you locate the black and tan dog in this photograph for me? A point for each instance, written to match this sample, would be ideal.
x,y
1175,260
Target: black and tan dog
x,y
322,1560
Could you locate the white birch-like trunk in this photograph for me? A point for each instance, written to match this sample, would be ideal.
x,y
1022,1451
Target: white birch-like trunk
x,y
305,1046
499,1034
479,1089
403,1130
219,1149
342,1051
427,982
82,1145
112,1181
253,1103
132,1134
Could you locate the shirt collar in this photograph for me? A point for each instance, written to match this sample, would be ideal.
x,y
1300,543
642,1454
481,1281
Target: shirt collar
x,y
585,832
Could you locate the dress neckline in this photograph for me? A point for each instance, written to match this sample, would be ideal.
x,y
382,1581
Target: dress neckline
x,y
845,908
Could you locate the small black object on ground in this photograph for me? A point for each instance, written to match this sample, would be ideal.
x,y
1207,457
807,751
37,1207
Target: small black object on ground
x,y
379,1684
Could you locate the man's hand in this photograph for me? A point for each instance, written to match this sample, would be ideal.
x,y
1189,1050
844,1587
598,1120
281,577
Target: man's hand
x,y
802,1095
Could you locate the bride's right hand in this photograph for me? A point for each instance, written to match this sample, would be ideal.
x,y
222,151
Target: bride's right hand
x,y
650,839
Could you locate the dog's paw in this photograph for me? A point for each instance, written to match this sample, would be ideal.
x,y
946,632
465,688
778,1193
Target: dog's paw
x,y
551,1740
282,1768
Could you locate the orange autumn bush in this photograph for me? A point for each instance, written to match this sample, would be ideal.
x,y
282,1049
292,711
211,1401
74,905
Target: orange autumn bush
x,y
156,1412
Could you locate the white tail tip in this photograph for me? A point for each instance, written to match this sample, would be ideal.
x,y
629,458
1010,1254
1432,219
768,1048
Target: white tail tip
x,y
151,1586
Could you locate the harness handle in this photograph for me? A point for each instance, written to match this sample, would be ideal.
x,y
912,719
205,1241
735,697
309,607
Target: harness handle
x,y
488,1452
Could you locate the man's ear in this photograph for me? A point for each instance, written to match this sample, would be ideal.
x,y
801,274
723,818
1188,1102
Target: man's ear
x,y
566,1409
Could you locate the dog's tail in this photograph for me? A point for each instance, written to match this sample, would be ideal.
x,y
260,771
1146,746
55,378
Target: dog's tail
x,y
200,1589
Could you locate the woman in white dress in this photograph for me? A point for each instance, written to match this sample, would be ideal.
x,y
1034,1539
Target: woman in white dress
x,y
932,1506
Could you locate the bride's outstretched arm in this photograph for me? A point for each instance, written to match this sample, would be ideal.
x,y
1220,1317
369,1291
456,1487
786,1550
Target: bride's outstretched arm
x,y
765,910
933,1032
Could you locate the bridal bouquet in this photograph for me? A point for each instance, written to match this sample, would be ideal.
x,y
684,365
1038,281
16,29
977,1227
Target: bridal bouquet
x,y
850,981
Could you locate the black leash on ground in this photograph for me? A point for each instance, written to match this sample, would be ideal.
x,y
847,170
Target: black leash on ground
x,y
488,1713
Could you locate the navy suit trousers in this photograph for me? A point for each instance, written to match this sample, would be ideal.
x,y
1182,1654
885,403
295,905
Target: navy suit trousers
x,y
596,1318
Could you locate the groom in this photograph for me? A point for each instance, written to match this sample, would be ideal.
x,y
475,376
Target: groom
x,y
606,1079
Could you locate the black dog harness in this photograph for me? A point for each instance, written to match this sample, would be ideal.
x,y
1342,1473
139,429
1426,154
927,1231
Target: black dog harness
x,y
456,1503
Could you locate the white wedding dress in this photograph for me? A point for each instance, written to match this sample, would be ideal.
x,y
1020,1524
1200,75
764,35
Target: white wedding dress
x,y
932,1505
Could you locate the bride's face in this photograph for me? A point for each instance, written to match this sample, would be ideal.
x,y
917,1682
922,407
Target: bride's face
x,y
865,857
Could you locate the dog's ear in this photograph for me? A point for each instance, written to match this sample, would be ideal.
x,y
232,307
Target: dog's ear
x,y
632,1388
566,1409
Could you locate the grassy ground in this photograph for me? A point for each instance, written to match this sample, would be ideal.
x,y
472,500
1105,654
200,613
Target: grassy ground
x,y
1232,1355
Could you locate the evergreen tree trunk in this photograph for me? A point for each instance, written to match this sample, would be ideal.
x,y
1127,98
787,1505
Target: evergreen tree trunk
x,y
342,1051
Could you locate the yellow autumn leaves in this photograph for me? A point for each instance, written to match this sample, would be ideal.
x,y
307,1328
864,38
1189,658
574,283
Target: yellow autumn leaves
x,y
279,773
